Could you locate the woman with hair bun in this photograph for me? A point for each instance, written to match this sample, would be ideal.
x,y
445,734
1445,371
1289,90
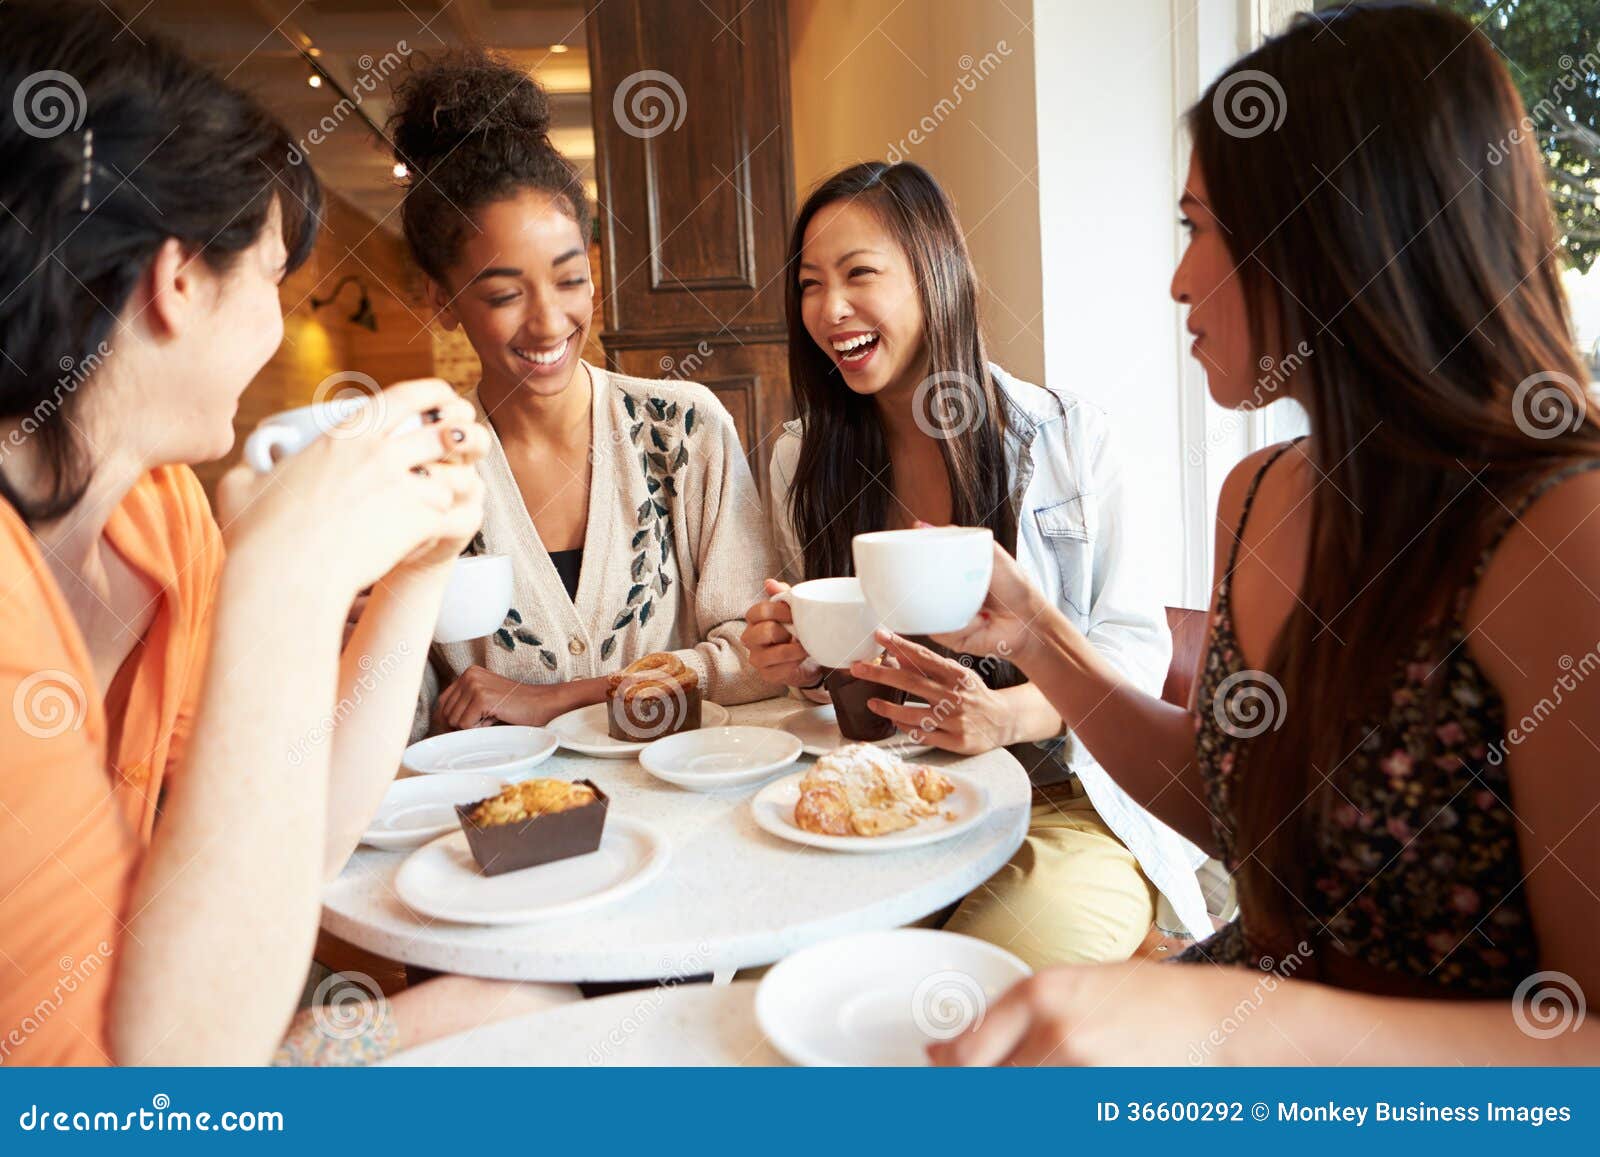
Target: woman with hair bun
x,y
626,505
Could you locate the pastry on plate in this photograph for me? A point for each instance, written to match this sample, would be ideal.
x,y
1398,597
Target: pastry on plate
x,y
534,822
862,790
651,698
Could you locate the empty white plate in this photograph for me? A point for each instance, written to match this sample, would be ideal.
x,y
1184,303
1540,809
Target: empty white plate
x,y
717,758
509,752
442,880
968,804
584,730
819,733
880,998
423,808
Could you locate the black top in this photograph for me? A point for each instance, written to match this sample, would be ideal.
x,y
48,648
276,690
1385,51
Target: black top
x,y
568,565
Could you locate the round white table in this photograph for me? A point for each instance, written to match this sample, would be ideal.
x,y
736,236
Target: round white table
x,y
732,896
679,1026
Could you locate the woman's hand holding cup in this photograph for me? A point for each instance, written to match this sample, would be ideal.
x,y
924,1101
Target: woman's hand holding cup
x,y
768,638
1010,621
393,484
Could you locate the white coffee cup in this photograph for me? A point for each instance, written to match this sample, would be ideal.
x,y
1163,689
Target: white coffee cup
x,y
283,435
476,599
832,621
925,581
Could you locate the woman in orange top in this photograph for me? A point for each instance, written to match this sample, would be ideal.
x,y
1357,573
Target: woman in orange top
x,y
146,234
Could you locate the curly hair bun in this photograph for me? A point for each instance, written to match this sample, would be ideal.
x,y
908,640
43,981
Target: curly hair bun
x,y
475,129
461,95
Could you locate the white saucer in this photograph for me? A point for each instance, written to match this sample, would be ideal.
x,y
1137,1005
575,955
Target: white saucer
x,y
818,730
422,808
773,807
509,752
442,880
880,998
585,732
718,758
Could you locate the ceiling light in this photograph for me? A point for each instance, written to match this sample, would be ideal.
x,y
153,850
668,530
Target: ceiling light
x,y
400,171
314,80
559,48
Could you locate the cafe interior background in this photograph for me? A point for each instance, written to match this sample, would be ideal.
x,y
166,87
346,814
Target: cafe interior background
x,y
700,124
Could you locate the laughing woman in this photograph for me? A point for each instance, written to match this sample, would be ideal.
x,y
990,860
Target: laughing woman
x,y
626,505
1414,825
903,419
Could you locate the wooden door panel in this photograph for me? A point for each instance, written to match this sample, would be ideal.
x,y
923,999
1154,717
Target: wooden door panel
x,y
693,162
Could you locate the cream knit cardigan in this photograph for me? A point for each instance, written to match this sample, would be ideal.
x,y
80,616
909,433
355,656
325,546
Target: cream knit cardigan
x,y
675,551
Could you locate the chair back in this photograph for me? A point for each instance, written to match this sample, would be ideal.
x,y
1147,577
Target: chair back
x,y
1188,629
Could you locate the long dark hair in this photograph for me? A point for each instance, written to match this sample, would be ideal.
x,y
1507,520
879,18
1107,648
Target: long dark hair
x,y
1424,281
473,129
842,480
176,153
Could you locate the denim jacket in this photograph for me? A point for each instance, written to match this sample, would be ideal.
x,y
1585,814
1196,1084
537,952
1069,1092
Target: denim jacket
x,y
1076,543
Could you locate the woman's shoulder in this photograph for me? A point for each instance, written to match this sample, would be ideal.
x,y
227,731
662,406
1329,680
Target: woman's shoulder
x,y
784,458
1246,473
1557,520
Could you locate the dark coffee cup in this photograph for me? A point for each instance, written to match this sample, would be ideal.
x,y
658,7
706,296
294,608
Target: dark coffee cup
x,y
857,721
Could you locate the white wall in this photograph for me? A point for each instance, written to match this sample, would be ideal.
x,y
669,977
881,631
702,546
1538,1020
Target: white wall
x,y
1106,108
1113,84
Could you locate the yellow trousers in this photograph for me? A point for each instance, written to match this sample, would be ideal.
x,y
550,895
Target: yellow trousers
x,y
1073,893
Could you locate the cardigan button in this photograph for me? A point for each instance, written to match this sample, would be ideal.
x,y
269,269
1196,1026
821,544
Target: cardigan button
x,y
577,647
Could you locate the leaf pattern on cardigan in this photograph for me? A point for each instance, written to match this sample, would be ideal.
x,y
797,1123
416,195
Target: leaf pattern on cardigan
x,y
662,439
661,436
667,428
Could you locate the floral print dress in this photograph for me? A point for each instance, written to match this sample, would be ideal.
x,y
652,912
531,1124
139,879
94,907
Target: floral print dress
x,y
1416,870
